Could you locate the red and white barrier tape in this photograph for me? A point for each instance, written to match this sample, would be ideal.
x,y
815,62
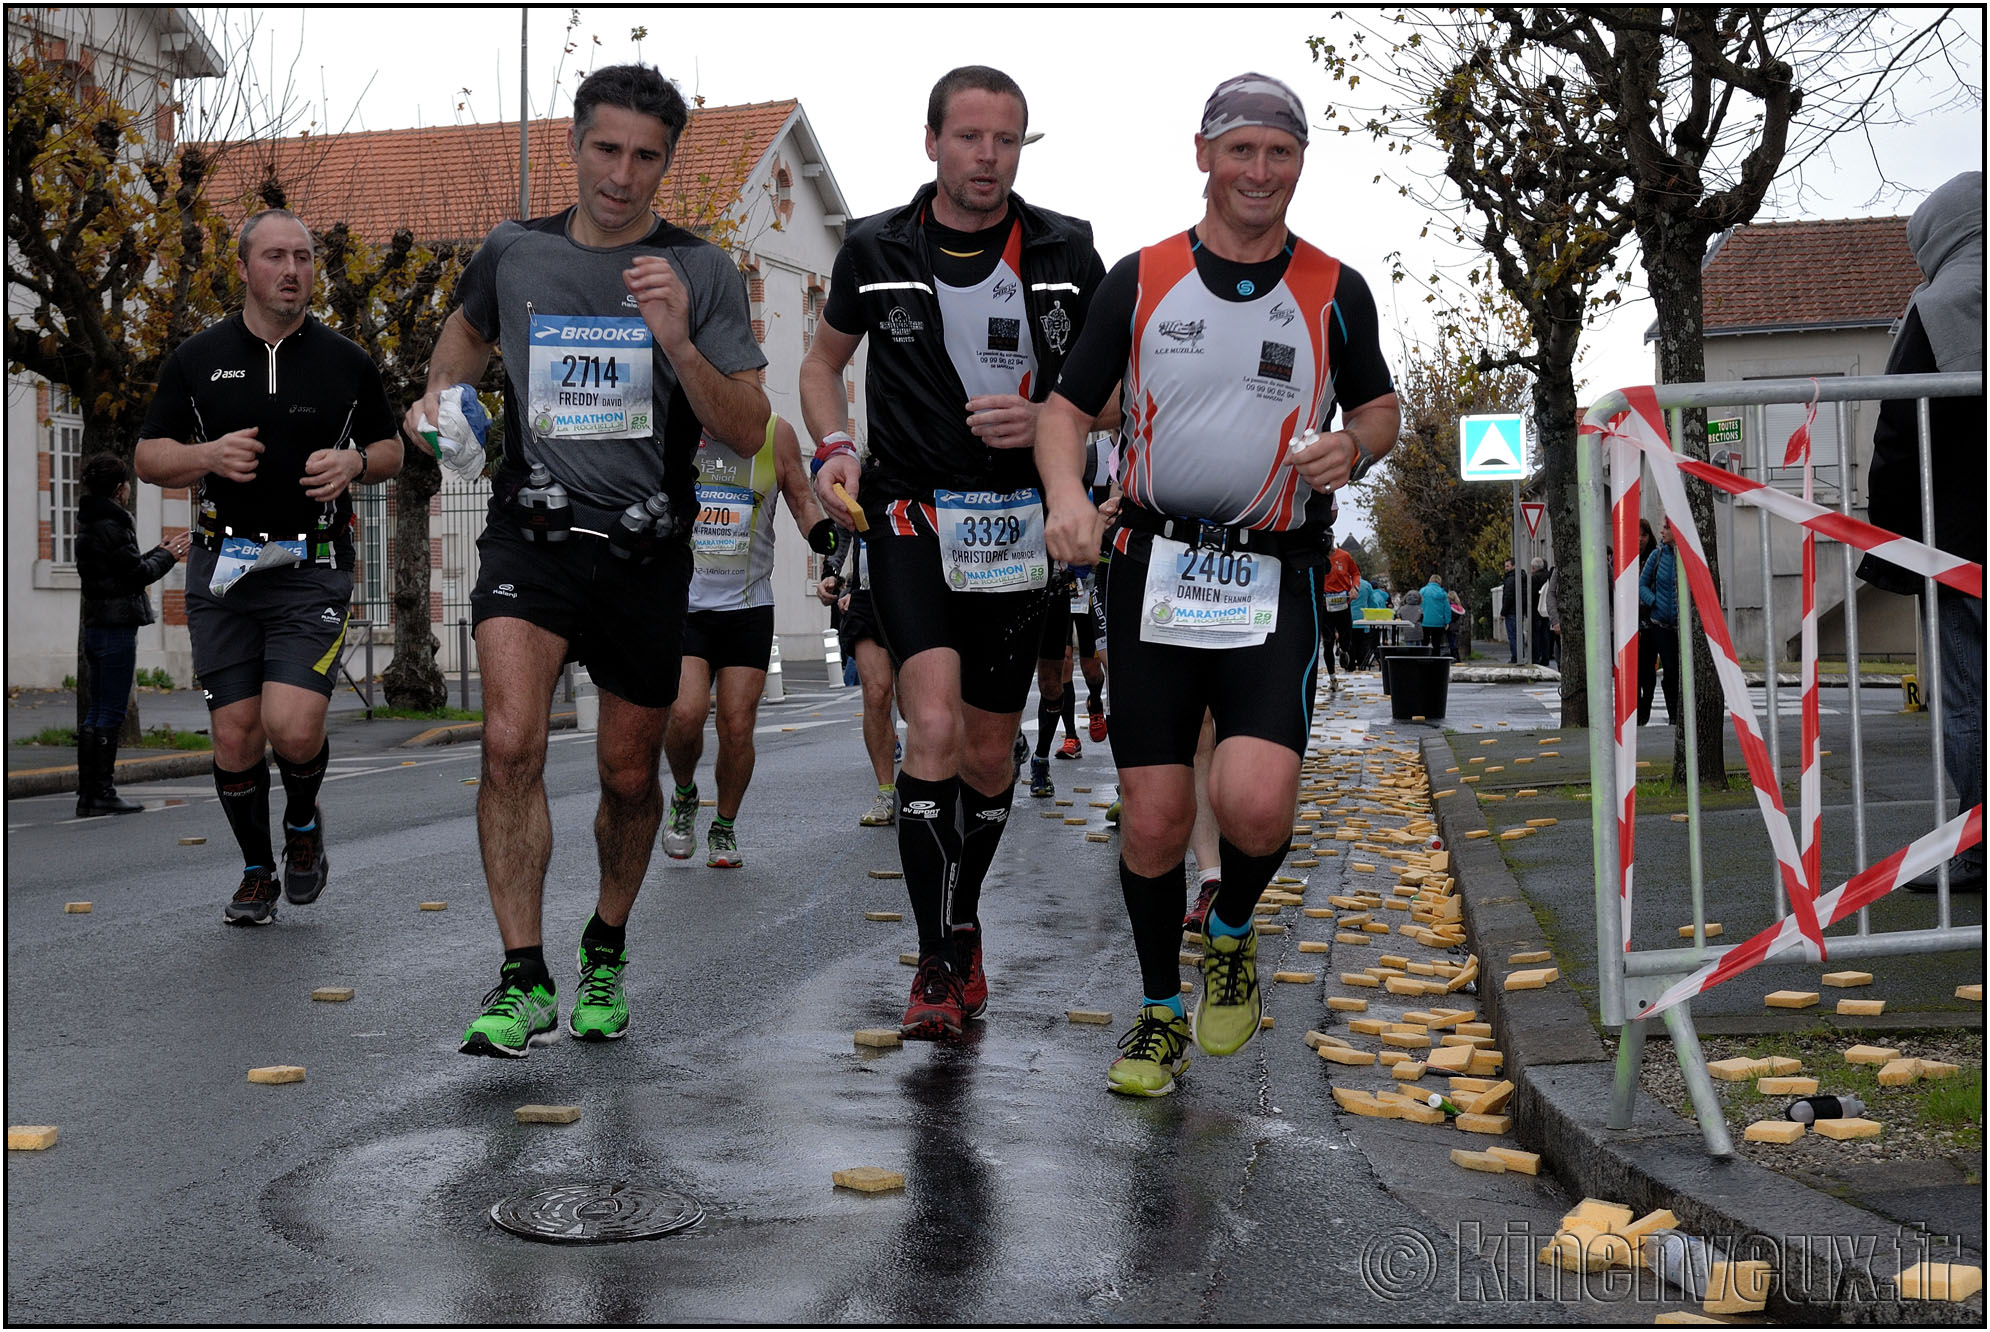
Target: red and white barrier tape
x,y
1862,889
1640,432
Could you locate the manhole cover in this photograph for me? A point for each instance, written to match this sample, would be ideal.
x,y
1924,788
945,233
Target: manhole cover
x,y
596,1213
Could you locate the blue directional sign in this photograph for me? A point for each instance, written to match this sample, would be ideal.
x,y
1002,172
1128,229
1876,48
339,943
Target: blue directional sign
x,y
1490,449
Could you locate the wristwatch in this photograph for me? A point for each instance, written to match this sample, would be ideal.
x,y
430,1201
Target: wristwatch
x,y
361,448
1364,465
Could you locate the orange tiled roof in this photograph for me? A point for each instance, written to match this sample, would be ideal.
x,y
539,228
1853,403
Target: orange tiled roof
x,y
1847,272
455,182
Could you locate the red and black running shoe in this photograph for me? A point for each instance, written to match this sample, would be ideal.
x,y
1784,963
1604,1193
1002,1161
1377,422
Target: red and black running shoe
x,y
967,965
1198,915
935,1010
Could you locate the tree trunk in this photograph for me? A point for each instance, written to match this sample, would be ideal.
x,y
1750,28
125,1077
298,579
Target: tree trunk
x,y
1555,427
1672,268
413,680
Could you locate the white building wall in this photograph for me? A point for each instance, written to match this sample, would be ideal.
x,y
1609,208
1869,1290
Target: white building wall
x,y
1885,620
133,54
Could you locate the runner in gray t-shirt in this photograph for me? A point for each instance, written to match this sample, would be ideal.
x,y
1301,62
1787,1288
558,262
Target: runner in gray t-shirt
x,y
620,335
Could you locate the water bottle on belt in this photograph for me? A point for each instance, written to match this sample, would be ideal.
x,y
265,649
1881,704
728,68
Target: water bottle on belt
x,y
641,527
543,505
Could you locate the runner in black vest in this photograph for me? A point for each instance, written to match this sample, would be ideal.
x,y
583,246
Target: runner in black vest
x,y
274,417
1230,341
970,298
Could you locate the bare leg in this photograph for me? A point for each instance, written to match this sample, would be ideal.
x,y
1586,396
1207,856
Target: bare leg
x,y
520,663
294,719
1202,838
626,756
1254,793
1157,810
237,730
684,735
739,708
880,731
929,698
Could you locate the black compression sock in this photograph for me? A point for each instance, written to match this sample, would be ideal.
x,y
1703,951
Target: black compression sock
x,y
300,786
531,966
245,800
1155,906
929,850
1070,712
1244,880
599,931
982,819
1047,710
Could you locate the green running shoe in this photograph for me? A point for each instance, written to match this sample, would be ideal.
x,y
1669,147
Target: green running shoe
x,y
1156,1053
600,1012
1227,1013
678,838
514,1018
722,848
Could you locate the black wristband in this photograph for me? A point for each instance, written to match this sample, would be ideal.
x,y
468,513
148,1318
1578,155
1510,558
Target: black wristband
x,y
822,537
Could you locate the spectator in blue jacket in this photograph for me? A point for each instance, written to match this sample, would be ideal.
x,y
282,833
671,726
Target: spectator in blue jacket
x,y
1436,612
1658,636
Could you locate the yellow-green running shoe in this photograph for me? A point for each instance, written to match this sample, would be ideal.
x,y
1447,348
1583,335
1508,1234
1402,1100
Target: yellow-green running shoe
x,y
1227,1013
1156,1053
515,1017
600,1011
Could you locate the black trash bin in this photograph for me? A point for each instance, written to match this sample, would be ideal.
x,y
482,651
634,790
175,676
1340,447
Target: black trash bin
x,y
1402,650
1423,687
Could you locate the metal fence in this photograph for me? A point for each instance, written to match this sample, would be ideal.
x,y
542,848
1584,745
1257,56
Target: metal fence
x,y
1635,981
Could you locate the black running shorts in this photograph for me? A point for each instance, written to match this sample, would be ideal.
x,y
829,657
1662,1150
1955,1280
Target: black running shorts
x,y
860,623
994,633
1160,690
622,620
284,625
725,639
1055,636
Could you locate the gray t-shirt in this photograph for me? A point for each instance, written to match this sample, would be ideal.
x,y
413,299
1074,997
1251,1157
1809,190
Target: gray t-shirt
x,y
587,390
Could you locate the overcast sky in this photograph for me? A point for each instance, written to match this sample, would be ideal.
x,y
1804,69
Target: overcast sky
x,y
1116,93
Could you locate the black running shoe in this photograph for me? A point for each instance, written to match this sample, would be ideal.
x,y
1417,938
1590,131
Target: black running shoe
x,y
254,902
305,864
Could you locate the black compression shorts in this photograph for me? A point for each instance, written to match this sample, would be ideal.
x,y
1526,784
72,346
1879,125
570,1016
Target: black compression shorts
x,y
1160,690
994,633
729,638
284,625
624,621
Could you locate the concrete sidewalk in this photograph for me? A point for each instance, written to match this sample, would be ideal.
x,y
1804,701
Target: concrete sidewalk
x,y
1538,891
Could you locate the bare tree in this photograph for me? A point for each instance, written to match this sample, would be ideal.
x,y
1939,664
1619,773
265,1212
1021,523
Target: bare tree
x,y
1536,188
1565,130
1710,105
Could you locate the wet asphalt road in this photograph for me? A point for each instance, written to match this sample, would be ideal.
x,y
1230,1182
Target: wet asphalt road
x,y
179,1192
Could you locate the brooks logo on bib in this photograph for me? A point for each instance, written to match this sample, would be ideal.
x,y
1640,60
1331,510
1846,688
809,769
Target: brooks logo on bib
x,y
992,542
590,377
725,522
1209,599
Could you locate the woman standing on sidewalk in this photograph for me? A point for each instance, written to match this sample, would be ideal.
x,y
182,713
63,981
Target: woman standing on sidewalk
x,y
115,604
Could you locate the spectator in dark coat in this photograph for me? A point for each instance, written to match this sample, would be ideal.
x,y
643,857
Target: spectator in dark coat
x,y
115,605
1942,331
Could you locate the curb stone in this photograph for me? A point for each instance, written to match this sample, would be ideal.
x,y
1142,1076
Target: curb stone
x,y
61,778
462,731
1564,1074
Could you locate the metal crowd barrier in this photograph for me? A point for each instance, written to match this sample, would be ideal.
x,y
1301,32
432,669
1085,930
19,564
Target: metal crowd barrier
x,y
1630,981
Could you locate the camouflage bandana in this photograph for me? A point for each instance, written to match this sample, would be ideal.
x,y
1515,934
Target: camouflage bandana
x,y
1253,99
